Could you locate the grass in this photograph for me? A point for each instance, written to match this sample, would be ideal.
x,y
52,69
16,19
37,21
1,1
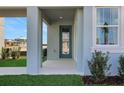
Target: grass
x,y
21,62
40,80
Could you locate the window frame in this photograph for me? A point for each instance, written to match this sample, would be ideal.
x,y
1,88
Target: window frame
x,y
95,25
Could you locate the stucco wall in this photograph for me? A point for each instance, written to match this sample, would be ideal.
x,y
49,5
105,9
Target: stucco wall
x,y
86,38
1,34
53,39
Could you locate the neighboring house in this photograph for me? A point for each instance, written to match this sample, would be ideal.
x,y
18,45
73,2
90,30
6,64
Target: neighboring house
x,y
1,34
19,44
73,33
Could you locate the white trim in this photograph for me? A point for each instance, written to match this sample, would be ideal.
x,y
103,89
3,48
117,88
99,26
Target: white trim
x,y
93,23
122,27
109,48
95,16
107,25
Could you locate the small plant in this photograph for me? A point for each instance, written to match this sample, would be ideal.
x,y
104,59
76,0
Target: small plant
x,y
13,54
98,65
3,53
121,67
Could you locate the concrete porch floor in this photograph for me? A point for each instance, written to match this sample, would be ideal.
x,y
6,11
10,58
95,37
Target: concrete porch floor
x,y
61,66
50,67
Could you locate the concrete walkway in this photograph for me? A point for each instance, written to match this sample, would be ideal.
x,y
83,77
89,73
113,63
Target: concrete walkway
x,y
50,67
12,70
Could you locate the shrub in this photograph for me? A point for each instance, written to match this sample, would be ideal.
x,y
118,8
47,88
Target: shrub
x,y
18,52
121,67
15,53
44,54
98,65
8,53
3,53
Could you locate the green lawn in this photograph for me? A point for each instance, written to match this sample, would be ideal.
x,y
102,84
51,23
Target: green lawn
x,y
40,80
21,62
13,62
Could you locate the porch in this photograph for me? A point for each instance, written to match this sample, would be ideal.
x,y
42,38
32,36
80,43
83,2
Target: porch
x,y
54,18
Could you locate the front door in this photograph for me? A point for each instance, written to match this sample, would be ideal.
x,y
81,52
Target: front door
x,y
65,41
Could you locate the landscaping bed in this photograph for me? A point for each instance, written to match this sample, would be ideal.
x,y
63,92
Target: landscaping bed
x,y
40,80
110,80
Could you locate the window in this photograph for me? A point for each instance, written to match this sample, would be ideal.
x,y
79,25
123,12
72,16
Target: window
x,y
107,26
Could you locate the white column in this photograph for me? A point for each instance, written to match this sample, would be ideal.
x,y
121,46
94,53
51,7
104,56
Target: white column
x,y
79,38
87,38
34,40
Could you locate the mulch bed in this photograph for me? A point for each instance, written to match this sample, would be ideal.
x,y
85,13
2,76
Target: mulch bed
x,y
110,80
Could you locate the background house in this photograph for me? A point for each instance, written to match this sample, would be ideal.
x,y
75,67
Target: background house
x,y
19,43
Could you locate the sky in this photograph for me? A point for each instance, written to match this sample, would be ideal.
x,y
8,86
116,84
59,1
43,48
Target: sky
x,y
16,27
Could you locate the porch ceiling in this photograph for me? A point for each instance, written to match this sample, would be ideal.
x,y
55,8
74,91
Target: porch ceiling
x,y
54,14
51,14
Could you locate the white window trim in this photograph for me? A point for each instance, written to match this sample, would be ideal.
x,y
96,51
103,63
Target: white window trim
x,y
110,48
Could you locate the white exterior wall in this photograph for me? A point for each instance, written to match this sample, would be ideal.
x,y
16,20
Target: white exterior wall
x,y
87,38
89,44
53,39
1,34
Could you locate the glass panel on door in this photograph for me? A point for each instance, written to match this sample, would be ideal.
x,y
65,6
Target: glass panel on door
x,y
65,43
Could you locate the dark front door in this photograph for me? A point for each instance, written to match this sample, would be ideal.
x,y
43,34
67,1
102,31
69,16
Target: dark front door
x,y
65,41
